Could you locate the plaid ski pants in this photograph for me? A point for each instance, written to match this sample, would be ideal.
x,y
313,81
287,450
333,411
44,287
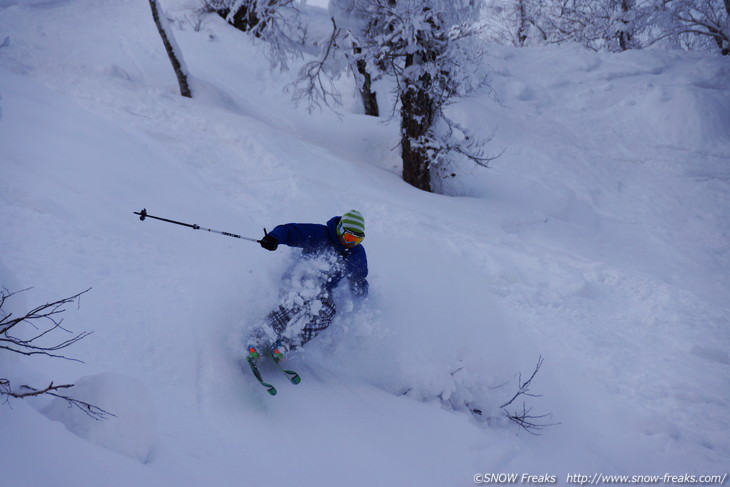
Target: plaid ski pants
x,y
279,320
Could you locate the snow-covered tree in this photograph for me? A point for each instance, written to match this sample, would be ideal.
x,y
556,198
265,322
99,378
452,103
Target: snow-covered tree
x,y
341,52
431,50
276,22
352,22
613,25
514,22
702,25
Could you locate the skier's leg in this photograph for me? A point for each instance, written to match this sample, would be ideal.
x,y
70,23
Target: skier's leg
x,y
278,320
321,321
256,342
266,334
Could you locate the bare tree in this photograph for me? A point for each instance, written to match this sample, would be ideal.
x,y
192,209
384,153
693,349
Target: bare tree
x,y
32,334
172,49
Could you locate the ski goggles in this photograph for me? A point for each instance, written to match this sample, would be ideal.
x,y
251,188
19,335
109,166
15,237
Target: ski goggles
x,y
352,237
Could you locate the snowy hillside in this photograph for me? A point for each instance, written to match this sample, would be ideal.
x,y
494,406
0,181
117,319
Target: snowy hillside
x,y
597,241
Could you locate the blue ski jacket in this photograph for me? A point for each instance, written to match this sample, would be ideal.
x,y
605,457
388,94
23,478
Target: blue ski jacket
x,y
315,239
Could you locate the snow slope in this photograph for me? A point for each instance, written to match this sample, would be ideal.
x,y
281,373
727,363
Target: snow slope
x,y
598,240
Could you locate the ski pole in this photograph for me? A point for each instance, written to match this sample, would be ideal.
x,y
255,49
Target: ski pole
x,y
143,214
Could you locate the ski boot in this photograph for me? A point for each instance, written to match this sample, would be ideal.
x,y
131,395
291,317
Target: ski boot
x,y
278,353
252,353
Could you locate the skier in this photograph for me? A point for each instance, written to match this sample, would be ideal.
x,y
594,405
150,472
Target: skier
x,y
330,253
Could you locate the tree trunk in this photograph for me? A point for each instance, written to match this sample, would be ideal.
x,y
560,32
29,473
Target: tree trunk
x,y
369,98
167,39
417,111
624,36
724,42
522,27
245,19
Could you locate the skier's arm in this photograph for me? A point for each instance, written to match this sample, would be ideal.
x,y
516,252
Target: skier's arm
x,y
299,234
359,285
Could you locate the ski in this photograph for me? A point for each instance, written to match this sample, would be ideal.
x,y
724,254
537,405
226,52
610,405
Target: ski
x,y
293,377
257,373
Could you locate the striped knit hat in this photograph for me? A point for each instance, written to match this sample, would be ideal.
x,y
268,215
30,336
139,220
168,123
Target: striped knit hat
x,y
352,221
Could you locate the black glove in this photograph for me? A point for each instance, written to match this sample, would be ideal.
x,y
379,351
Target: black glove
x,y
269,242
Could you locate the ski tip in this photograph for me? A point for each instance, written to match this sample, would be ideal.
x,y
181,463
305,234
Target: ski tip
x,y
271,390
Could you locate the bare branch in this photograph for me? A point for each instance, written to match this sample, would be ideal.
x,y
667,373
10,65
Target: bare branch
x,y
524,387
523,417
94,412
44,321
314,83
529,422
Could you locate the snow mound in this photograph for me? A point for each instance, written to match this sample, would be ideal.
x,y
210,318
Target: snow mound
x,y
696,118
133,432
